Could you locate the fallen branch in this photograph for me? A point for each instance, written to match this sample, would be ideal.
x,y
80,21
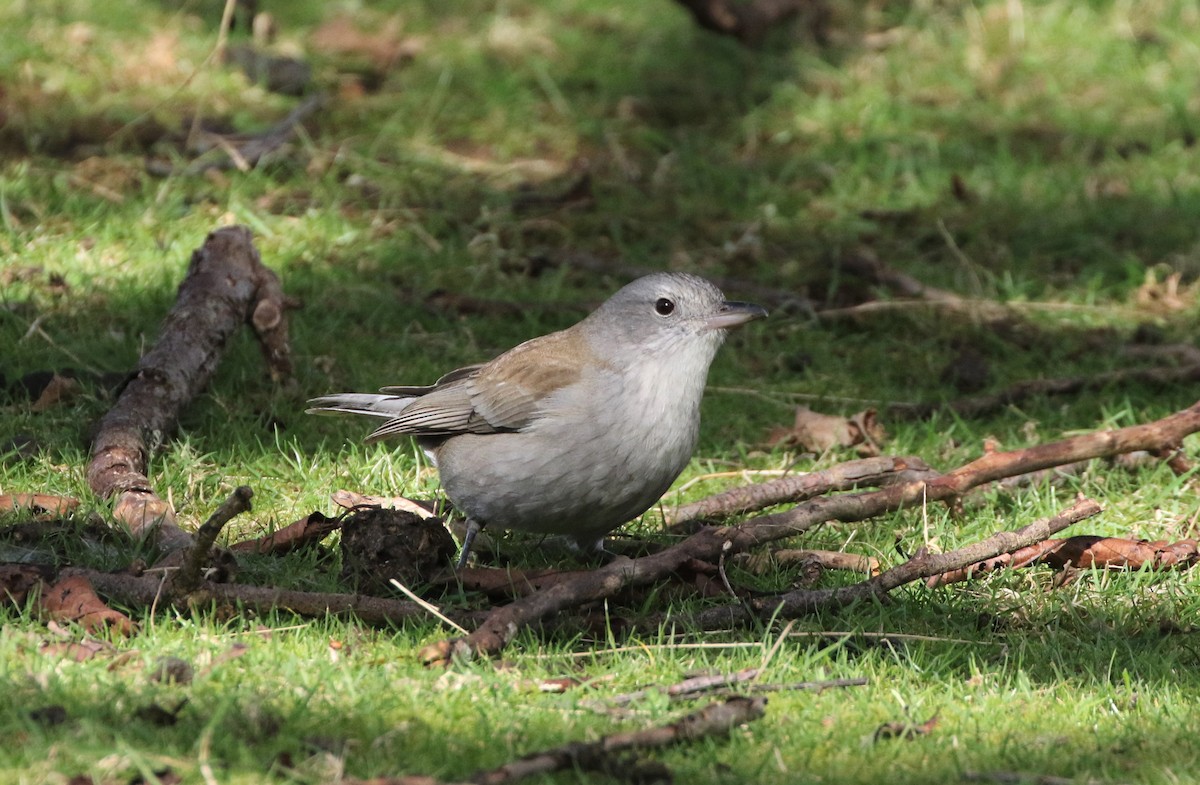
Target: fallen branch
x,y
1084,551
760,563
226,284
686,688
503,623
806,601
605,754
863,262
864,473
925,564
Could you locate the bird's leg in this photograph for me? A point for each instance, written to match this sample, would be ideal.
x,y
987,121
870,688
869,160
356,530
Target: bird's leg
x,y
473,528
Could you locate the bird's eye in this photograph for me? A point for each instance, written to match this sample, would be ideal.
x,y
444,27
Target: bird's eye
x,y
664,307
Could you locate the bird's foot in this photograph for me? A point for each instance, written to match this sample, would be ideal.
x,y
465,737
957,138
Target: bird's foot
x,y
473,529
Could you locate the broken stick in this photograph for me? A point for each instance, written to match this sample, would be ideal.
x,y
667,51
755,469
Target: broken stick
x,y
226,285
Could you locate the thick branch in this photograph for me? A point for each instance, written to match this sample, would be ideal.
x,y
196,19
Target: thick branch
x,y
226,285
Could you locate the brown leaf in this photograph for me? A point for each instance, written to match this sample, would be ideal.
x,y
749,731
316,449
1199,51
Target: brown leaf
x,y
559,685
309,530
816,432
74,600
16,580
349,500
1116,552
59,390
38,503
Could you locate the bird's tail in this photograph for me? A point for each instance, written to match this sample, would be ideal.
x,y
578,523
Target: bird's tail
x,y
370,404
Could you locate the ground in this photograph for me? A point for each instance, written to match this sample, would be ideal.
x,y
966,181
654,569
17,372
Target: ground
x,y
477,176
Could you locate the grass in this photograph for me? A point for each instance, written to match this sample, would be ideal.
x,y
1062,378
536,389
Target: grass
x,y
1039,153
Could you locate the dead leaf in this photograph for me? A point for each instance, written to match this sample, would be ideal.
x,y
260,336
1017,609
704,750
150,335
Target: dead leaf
x,y
559,685
309,530
349,500
816,432
59,390
74,600
40,504
16,580
762,562
1119,553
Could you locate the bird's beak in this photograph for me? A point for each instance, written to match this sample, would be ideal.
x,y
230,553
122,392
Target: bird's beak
x,y
732,314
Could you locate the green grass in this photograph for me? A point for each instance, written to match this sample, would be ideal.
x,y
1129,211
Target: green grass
x,y
1070,128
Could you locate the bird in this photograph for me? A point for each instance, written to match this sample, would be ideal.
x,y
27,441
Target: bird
x,y
575,432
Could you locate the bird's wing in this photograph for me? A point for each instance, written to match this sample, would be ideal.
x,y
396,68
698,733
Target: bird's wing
x,y
455,375
505,394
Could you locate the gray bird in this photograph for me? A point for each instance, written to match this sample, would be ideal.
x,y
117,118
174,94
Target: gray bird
x,y
576,432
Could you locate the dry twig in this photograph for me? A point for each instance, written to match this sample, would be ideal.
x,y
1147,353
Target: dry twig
x,y
503,623
1084,551
716,719
863,473
187,577
143,591
605,755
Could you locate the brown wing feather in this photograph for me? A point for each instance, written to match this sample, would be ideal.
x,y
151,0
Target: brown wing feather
x,y
502,395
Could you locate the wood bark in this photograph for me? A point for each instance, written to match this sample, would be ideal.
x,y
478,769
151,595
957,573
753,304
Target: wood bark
x,y
226,284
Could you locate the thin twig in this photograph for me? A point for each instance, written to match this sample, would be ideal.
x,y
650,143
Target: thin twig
x,y
187,577
505,622
686,688
716,719
864,473
924,565
429,606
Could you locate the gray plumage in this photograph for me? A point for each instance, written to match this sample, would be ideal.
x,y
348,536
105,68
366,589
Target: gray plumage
x,y
575,432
